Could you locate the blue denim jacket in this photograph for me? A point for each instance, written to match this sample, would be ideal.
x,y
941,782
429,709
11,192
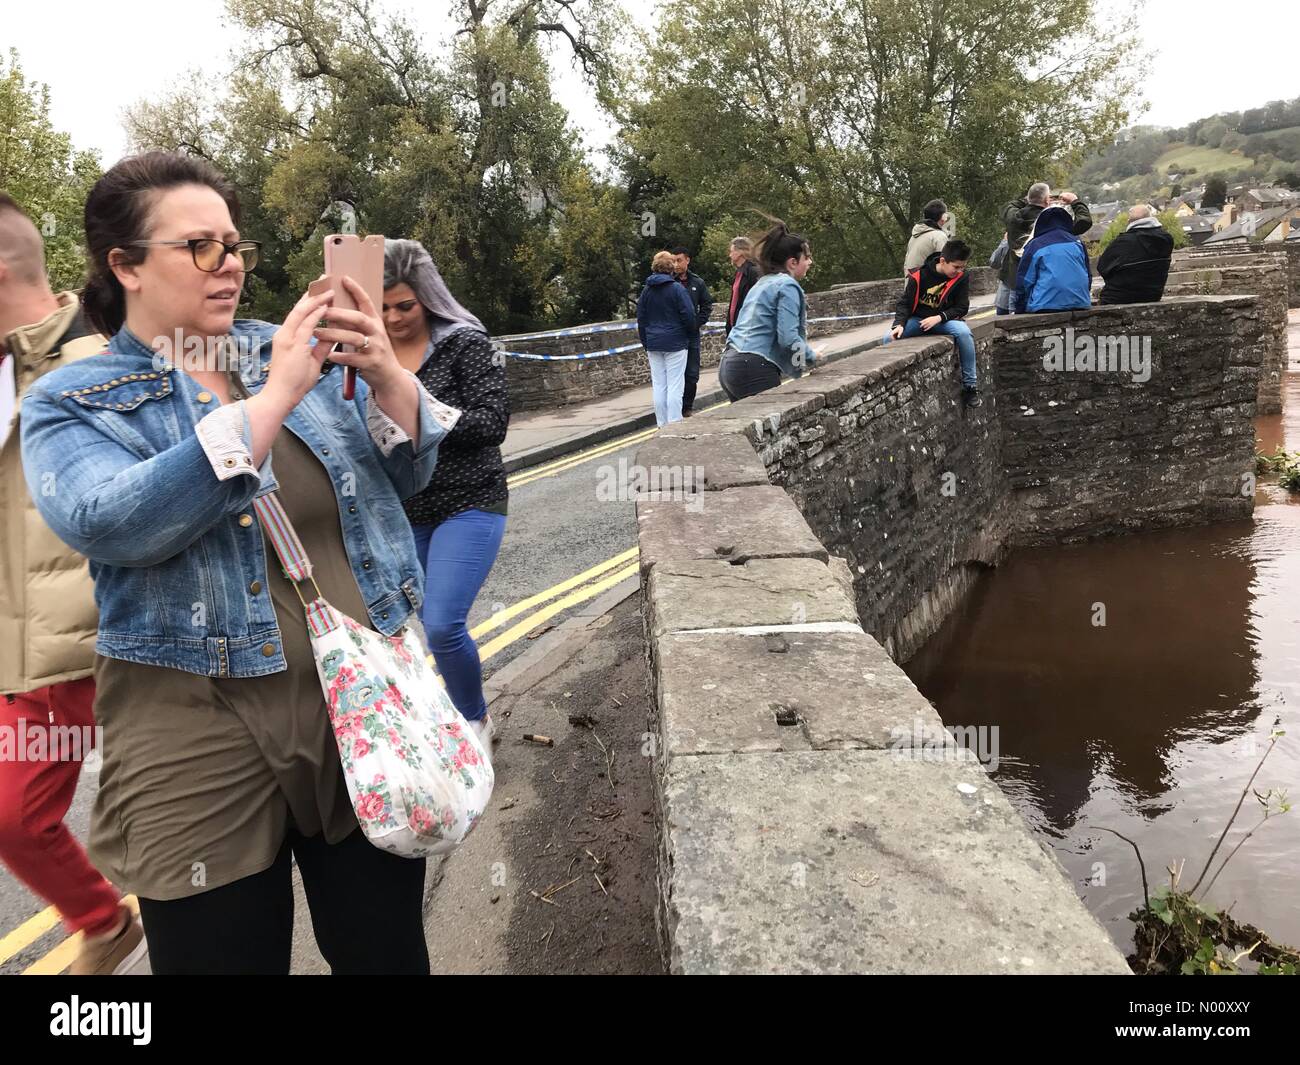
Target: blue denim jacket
x,y
114,465
773,323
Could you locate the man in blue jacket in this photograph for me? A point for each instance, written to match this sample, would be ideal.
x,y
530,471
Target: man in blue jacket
x,y
1054,273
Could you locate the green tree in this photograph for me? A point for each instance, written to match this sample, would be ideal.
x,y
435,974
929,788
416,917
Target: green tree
x,y
337,102
845,117
1216,191
44,174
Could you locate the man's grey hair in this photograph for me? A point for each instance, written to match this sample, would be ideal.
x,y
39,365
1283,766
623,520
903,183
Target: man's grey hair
x,y
1038,192
741,244
1140,210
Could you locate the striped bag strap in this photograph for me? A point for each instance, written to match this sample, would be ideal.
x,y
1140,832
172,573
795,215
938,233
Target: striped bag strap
x,y
321,617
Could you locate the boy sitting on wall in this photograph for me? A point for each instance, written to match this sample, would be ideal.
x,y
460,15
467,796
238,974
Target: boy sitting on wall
x,y
936,299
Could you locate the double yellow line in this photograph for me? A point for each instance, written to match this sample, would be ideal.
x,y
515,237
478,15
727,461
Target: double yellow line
x,y
550,469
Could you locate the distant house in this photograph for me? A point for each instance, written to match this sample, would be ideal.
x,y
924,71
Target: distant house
x,y
1186,205
1252,225
1266,199
1198,228
1235,193
1286,225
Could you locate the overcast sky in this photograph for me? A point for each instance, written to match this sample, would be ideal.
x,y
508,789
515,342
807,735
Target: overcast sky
x,y
97,58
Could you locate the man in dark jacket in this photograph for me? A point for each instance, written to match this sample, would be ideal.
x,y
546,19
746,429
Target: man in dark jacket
x,y
935,300
741,254
1135,265
1019,217
703,301
1054,272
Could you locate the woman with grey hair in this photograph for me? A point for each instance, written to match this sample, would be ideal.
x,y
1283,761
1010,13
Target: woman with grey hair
x,y
460,518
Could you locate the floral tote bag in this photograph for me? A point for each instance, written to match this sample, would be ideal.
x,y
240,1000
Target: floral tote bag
x,y
416,772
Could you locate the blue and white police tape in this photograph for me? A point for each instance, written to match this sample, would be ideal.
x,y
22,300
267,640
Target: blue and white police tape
x,y
576,331
623,349
570,358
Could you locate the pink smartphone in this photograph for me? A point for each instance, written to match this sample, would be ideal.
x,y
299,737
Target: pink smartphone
x,y
347,255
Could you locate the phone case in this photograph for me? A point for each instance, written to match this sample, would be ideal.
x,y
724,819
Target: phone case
x,y
347,255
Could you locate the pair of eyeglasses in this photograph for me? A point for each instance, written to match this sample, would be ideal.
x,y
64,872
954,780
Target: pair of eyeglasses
x,y
208,254
406,306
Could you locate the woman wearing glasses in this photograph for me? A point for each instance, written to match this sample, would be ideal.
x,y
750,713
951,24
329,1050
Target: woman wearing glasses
x,y
460,517
219,761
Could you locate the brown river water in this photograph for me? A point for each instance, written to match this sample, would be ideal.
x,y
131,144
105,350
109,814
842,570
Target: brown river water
x,y
1151,724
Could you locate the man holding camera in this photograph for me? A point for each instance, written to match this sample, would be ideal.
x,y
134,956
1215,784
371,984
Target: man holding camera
x,y
1019,217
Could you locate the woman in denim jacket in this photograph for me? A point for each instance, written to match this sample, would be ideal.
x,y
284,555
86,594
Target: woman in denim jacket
x,y
770,338
219,763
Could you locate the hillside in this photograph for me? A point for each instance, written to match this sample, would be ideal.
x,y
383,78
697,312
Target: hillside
x,y
1198,159
1258,146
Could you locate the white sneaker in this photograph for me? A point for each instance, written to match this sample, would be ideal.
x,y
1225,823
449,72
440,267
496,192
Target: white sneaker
x,y
485,731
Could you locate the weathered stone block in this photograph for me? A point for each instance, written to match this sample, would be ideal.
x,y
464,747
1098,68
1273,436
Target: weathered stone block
x,y
734,525
726,461
862,861
721,692
708,594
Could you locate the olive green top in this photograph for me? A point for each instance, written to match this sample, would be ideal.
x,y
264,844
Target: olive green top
x,y
203,776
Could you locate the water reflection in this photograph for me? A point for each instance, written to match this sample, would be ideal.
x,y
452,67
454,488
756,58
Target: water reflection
x,y
1152,722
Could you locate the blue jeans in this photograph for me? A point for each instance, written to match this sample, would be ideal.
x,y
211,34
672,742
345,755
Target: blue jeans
x,y
667,378
960,333
457,556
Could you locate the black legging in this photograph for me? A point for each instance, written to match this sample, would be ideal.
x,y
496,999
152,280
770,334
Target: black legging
x,y
366,911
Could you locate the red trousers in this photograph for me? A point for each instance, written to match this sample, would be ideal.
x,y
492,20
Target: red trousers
x,y
38,777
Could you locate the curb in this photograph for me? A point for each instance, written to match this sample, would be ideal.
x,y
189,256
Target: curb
x,y
570,444
555,648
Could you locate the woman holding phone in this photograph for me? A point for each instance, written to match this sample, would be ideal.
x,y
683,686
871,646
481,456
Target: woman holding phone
x,y
219,761
459,518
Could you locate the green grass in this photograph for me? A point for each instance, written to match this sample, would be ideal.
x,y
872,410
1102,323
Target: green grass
x,y
1206,160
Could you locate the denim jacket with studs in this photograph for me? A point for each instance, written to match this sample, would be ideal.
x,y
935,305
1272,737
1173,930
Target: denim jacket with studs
x,y
136,466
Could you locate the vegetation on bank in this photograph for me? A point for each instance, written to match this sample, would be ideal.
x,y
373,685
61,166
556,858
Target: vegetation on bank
x,y
1177,932
1283,463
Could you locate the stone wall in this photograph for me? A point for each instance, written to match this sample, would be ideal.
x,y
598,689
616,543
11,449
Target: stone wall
x,y
811,814
914,507
1248,254
536,385
1092,453
1245,274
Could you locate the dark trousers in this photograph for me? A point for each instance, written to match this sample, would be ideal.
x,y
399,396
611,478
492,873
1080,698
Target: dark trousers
x,y
692,375
366,912
742,373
